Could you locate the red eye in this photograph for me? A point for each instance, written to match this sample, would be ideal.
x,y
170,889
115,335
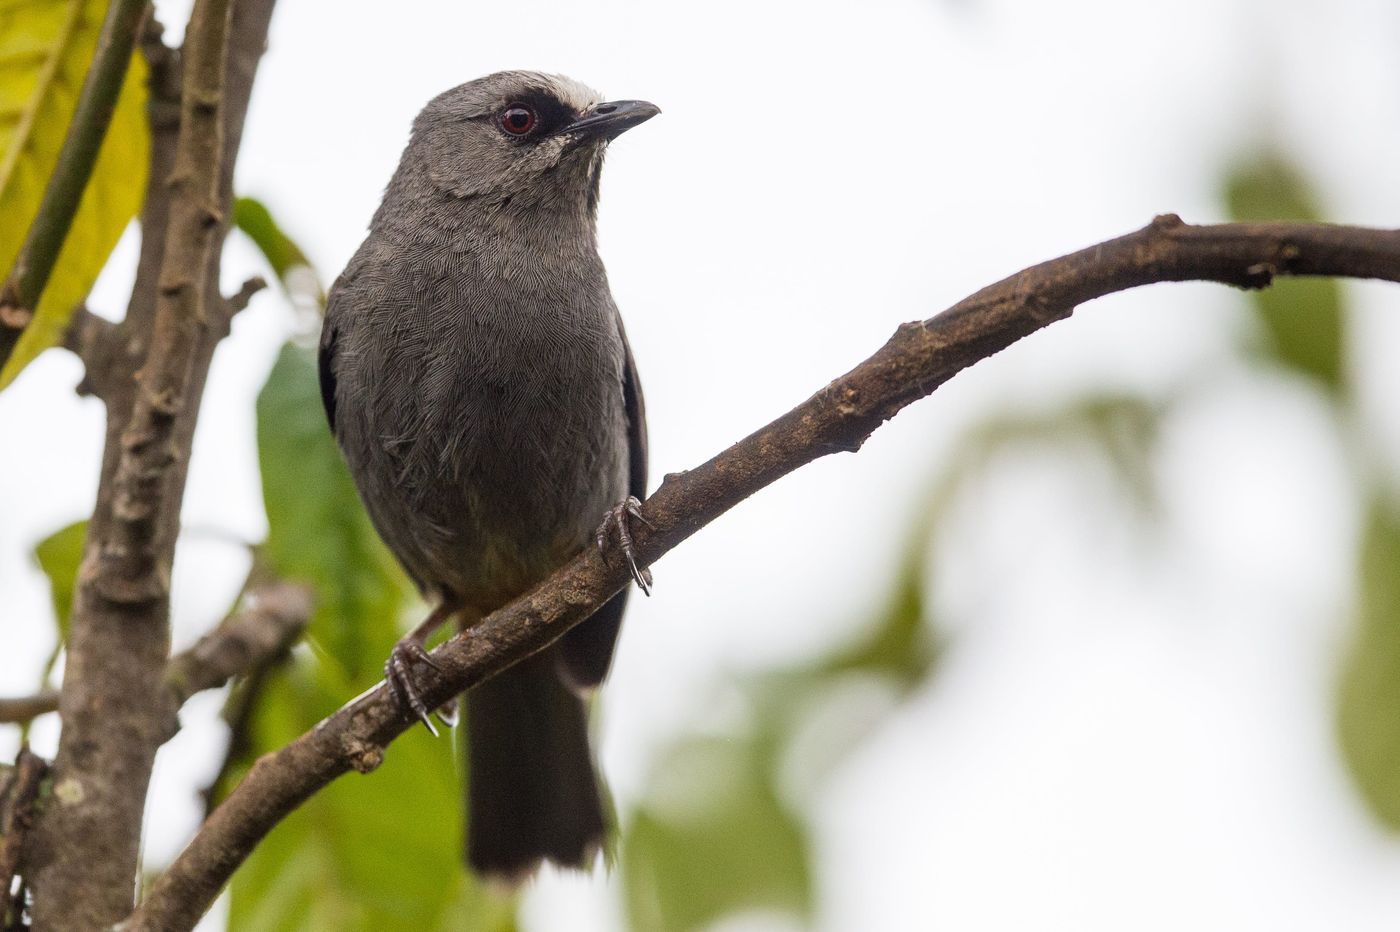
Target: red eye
x,y
518,119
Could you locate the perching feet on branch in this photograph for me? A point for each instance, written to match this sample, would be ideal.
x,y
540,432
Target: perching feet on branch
x,y
398,669
618,521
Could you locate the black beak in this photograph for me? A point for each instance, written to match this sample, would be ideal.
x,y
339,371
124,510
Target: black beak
x,y
611,119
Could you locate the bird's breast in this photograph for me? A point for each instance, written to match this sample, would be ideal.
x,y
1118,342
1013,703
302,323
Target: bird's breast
x,y
496,407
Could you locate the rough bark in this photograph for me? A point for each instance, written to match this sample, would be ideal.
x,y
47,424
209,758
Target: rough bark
x,y
83,862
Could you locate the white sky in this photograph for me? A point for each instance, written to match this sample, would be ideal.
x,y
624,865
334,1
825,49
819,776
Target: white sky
x,y
1113,742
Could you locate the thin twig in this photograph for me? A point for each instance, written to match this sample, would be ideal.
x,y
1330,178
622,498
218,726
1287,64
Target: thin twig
x,y
919,357
235,303
20,709
20,294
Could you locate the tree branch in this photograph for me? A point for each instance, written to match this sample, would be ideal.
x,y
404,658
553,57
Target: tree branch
x,y
96,101
919,358
275,617
85,847
26,708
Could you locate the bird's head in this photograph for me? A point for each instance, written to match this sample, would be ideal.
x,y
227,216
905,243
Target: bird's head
x,y
521,138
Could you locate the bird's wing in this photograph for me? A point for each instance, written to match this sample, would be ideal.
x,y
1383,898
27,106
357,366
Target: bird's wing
x,y
585,653
325,360
636,421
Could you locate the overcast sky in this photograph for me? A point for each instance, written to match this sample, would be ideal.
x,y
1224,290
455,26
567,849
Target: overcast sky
x,y
1113,741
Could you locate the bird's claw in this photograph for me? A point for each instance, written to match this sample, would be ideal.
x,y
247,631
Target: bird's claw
x,y
621,516
398,671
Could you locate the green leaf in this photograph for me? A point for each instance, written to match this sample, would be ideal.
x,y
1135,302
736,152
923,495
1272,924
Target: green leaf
x,y
378,851
318,530
45,49
1301,317
293,269
253,218
1368,708
714,838
381,851
59,556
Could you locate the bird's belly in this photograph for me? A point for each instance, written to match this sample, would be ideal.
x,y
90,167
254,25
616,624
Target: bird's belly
x,y
498,484
525,510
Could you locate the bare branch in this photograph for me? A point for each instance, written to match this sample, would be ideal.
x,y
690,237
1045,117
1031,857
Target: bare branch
x,y
919,358
275,617
20,709
18,791
96,101
235,303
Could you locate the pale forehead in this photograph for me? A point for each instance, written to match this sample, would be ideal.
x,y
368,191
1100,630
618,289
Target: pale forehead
x,y
485,95
574,93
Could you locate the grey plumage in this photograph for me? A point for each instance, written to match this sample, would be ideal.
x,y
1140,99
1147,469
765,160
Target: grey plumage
x,y
478,379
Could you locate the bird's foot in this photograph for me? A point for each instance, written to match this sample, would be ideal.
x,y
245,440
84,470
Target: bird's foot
x,y
619,520
398,671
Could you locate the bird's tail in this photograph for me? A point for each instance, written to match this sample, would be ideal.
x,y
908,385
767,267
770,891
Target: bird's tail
x,y
532,793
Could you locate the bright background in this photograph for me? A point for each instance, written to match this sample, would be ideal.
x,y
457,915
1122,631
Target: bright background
x,y
1132,720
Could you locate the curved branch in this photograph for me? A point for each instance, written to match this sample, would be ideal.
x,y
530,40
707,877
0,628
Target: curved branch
x,y
919,357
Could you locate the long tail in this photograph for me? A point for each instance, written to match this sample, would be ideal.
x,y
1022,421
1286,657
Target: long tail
x,y
532,793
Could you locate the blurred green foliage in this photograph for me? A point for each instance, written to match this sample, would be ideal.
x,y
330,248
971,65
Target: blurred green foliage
x,y
1301,318
1368,707
731,844
59,556
369,852
1305,321
281,252
291,266
716,835
319,532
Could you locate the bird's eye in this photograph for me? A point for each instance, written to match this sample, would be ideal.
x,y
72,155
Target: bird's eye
x,y
518,119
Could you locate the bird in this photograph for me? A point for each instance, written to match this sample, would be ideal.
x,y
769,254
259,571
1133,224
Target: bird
x,y
480,386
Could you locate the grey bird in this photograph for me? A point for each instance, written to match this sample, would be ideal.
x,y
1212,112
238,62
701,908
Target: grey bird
x,y
478,380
